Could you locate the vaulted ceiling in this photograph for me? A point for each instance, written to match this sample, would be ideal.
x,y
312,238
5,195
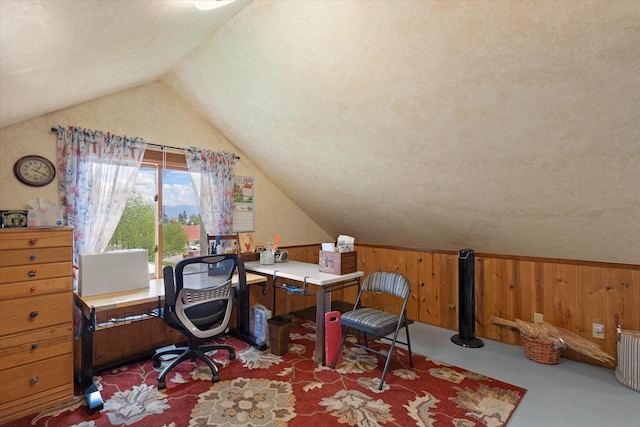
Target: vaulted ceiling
x,y
504,126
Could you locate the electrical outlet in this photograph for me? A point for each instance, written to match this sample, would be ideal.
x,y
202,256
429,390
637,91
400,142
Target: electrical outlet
x,y
598,331
538,318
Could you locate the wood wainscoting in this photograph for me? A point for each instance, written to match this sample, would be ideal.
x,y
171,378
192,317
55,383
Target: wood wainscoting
x,y
569,294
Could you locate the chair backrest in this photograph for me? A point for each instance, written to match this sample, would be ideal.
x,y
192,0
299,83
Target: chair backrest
x,y
389,283
198,293
200,272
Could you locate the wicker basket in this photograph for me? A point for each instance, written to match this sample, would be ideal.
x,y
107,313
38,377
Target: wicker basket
x,y
541,350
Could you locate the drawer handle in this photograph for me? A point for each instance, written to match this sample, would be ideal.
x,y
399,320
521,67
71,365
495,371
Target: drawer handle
x,y
33,241
32,257
34,346
33,273
33,314
33,289
34,380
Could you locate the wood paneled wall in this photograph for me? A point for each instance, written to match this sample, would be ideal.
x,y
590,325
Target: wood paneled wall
x,y
569,294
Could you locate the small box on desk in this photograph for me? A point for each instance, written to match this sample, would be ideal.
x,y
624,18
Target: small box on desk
x,y
250,256
338,262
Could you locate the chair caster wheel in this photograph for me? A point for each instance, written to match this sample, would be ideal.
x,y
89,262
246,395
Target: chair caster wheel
x,y
157,363
215,378
162,385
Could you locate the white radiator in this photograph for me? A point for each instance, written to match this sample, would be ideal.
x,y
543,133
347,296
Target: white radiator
x,y
113,272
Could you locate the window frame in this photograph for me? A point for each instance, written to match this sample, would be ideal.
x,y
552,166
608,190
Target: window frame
x,y
161,160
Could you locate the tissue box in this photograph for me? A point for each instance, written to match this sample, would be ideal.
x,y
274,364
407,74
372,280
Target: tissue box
x,y
50,218
338,262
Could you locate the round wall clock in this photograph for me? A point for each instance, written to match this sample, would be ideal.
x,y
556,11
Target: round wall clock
x,y
35,171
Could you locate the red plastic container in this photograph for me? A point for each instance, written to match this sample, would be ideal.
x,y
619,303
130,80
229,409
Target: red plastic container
x,y
333,335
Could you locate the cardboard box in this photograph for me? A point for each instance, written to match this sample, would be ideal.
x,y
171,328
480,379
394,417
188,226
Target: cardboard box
x,y
250,256
338,262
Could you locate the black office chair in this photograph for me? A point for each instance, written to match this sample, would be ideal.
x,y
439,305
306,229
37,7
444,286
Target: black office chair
x,y
198,302
379,323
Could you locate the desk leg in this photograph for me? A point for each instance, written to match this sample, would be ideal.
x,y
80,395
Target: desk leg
x,y
323,305
242,332
91,392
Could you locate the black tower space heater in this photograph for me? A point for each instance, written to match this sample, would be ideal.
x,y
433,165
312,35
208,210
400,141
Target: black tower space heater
x,y
466,301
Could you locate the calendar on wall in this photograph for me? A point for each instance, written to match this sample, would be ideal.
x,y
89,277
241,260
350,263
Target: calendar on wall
x,y
242,221
243,217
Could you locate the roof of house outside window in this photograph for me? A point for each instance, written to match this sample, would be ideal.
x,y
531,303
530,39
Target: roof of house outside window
x,y
193,231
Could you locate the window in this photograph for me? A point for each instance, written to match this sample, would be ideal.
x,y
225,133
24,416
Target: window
x,y
162,214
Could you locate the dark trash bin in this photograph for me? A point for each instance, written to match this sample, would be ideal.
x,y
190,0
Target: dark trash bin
x,y
279,327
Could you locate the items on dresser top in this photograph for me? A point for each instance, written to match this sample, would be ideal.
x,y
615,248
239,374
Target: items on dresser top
x,y
14,218
36,333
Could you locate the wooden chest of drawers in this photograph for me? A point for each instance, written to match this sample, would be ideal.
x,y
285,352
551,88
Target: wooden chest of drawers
x,y
36,320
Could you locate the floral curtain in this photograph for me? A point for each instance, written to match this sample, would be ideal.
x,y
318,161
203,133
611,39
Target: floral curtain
x,y
212,179
97,172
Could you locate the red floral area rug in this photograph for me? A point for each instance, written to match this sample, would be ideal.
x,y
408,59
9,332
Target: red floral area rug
x,y
262,389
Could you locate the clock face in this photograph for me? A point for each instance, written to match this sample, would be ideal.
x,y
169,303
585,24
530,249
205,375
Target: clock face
x,y
34,170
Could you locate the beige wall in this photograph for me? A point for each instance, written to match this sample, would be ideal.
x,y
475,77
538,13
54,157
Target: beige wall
x,y
155,113
509,127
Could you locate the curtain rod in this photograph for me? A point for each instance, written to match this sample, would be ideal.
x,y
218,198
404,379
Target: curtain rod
x,y
235,156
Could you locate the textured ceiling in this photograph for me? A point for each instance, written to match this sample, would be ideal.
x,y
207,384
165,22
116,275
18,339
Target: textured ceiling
x,y
504,126
58,53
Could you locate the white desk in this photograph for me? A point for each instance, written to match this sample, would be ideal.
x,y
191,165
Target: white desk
x,y
322,285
